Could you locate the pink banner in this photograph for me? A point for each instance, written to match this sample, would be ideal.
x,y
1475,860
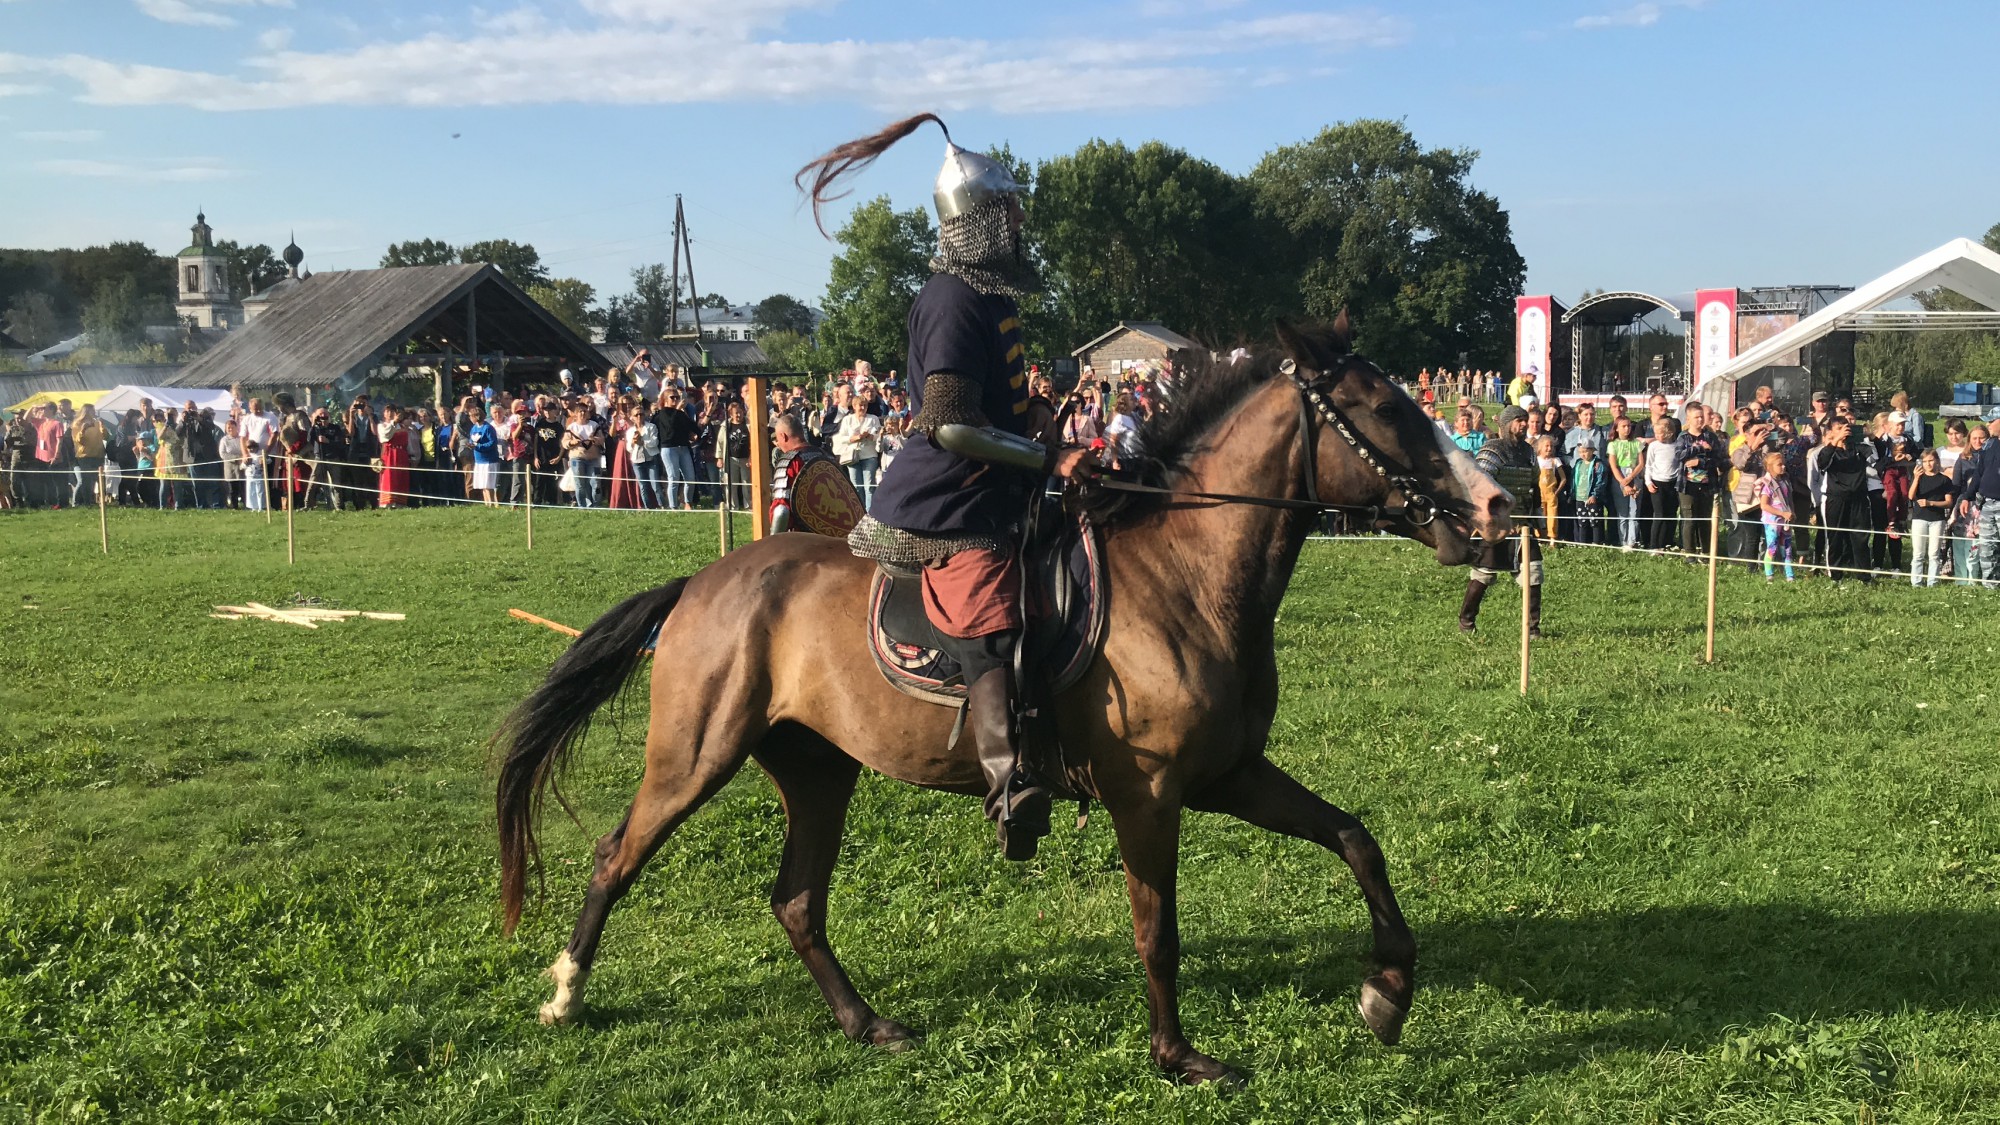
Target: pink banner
x,y
1715,333
1534,327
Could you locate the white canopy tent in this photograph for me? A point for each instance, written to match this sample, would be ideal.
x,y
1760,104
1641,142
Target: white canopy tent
x,y
1961,265
124,398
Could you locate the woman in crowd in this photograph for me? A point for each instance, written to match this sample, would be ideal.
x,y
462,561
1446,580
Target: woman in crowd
x,y
1121,430
1662,507
1885,539
1931,499
362,446
857,445
732,453
893,428
230,449
1463,435
170,465
1958,531
676,430
392,448
624,472
642,445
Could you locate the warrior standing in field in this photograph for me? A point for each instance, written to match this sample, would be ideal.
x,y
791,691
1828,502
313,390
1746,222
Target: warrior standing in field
x,y
1507,459
949,502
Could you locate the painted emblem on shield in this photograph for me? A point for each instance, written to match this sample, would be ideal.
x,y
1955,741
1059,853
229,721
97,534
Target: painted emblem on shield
x,y
823,500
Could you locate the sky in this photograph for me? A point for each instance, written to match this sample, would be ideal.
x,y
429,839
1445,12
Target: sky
x,y
1660,146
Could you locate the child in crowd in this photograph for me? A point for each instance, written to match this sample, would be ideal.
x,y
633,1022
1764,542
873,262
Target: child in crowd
x,y
1897,455
1624,457
1553,481
1930,497
1590,485
1774,500
255,497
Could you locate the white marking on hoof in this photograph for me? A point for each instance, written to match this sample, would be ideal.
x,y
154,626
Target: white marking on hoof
x,y
569,978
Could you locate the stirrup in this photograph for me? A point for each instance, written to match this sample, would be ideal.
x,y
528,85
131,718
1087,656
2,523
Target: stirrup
x,y
1024,817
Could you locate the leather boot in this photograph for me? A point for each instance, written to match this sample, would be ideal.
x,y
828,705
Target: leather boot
x,y
1014,802
1468,611
1535,610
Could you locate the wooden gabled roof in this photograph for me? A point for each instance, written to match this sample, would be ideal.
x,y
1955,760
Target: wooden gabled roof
x,y
337,324
1153,330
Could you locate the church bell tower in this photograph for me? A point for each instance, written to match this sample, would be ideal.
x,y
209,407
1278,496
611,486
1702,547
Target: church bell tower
x,y
202,282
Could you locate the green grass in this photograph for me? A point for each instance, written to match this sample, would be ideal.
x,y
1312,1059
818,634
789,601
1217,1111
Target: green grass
x,y
247,873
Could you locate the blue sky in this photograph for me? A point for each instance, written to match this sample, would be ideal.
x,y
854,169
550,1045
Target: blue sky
x,y
1658,145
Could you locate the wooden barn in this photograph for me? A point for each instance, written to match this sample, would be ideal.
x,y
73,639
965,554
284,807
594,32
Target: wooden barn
x,y
1134,343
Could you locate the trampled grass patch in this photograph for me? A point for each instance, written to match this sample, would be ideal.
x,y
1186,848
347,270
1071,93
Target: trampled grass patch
x,y
247,871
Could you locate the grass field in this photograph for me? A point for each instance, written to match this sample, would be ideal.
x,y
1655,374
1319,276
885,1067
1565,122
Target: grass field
x,y
247,871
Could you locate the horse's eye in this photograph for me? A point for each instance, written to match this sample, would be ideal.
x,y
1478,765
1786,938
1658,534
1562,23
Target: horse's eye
x,y
1387,412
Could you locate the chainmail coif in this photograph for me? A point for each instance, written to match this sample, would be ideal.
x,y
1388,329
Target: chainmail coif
x,y
979,248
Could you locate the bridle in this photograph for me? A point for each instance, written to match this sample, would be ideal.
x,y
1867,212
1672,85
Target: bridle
x,y
1418,508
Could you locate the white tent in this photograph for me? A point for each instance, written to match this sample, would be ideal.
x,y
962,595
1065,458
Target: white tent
x,y
1961,265
125,398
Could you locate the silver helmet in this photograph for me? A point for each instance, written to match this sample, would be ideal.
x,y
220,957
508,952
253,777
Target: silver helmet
x,y
969,179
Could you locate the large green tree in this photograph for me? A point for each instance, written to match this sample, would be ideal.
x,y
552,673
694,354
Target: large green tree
x,y
420,252
251,268
117,317
1394,232
518,260
646,309
781,312
573,302
1147,233
884,260
32,320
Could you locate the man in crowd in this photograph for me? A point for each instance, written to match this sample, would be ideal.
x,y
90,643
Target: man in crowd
x,y
1507,458
201,442
1979,470
1842,467
1822,411
89,438
46,489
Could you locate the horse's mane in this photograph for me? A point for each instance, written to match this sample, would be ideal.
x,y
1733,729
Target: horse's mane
x,y
1205,389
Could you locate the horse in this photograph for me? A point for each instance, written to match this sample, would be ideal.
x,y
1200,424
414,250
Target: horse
x,y
771,665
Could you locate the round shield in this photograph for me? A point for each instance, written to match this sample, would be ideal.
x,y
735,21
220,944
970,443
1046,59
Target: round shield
x,y
823,500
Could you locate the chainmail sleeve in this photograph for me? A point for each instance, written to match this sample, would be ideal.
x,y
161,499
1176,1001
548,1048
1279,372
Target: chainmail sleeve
x,y
949,397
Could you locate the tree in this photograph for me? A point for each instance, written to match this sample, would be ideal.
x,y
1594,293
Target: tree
x,y
424,252
1425,264
32,320
518,260
649,305
1146,234
873,282
116,317
780,312
570,300
787,350
714,301
251,268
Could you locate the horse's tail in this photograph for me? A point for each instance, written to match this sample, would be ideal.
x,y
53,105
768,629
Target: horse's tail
x,y
535,740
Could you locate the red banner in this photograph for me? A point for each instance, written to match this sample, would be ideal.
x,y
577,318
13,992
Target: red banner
x,y
1715,333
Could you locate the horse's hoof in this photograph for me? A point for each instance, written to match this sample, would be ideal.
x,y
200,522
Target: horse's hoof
x,y
554,1014
1194,1068
1383,1015
888,1035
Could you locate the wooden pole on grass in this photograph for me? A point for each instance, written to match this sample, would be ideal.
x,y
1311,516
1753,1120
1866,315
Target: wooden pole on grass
x,y
291,540
1527,538
756,395
103,521
530,506
1714,551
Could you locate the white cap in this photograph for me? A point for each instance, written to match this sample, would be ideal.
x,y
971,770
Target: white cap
x,y
564,375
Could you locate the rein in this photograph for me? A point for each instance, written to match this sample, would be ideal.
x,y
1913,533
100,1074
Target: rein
x,y
1417,508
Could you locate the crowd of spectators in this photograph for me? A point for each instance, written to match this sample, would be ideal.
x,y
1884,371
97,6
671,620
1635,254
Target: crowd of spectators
x,y
1828,492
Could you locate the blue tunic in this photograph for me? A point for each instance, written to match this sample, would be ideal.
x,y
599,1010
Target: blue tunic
x,y
926,489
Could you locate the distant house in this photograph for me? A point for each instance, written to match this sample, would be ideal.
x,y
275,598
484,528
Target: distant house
x,y
1134,343
737,322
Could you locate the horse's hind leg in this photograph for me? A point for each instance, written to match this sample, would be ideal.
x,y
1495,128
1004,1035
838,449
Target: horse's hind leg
x,y
1268,797
815,781
677,782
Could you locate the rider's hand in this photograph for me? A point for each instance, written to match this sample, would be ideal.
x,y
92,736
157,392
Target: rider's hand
x,y
1076,463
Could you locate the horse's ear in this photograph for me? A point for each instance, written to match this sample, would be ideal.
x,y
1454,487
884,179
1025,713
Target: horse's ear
x,y
1300,348
1343,334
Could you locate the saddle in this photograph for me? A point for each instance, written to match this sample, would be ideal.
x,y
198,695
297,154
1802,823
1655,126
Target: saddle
x,y
1065,581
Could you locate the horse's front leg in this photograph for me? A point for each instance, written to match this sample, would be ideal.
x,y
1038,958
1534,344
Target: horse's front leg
x,y
1149,840
1266,796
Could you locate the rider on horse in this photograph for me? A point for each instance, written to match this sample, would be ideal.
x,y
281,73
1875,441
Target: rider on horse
x,y
951,500
1508,460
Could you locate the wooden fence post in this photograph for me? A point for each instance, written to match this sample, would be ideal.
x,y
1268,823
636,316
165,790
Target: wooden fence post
x,y
756,395
1527,539
1714,552
103,521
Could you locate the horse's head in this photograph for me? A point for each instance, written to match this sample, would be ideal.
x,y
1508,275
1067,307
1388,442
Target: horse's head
x,y
1376,446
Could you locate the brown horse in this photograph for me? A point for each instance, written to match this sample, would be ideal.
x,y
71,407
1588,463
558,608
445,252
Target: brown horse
x,y
770,662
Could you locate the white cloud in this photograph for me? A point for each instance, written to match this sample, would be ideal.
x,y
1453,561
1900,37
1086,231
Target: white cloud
x,y
61,136
520,59
114,170
200,13
1638,15
20,89
275,39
